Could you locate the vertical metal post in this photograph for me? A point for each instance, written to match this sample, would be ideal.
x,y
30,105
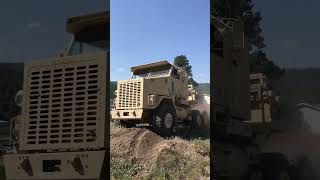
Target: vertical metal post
x,y
10,131
262,103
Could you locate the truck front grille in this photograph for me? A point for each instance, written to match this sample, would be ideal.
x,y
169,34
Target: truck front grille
x,y
64,105
129,94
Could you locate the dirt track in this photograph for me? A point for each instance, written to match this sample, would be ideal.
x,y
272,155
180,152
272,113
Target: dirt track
x,y
143,154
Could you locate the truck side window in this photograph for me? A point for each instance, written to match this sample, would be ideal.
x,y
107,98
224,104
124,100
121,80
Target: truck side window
x,y
175,74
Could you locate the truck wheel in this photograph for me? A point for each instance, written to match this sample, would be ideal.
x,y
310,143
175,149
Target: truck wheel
x,y
164,121
196,119
205,120
283,175
255,174
304,169
276,166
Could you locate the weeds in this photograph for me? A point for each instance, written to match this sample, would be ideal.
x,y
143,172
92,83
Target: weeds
x,y
168,159
124,170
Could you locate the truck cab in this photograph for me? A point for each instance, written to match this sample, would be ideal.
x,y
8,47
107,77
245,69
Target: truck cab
x,y
148,86
157,93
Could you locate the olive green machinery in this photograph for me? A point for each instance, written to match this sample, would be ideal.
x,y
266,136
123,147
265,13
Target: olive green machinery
x,y
62,134
158,94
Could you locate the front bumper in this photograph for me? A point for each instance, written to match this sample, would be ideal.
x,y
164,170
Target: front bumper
x,y
64,165
127,114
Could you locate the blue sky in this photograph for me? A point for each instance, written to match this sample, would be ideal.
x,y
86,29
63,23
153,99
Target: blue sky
x,y
291,31
36,29
144,31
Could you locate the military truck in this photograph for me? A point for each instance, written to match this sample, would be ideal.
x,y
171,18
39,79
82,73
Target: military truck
x,y
236,150
158,94
64,108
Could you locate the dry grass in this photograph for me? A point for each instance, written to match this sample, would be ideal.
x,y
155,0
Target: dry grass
x,y
140,154
179,158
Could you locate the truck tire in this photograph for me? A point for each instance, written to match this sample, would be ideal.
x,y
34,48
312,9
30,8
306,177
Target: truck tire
x,y
205,121
275,166
197,120
304,169
164,120
255,174
283,175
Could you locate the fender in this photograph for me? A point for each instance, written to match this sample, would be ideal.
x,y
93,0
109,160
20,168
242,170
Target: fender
x,y
161,99
166,99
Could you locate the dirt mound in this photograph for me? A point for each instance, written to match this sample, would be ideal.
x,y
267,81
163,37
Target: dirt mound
x,y
140,153
132,142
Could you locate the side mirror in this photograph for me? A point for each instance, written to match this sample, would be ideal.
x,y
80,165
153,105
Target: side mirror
x,y
61,54
184,76
18,99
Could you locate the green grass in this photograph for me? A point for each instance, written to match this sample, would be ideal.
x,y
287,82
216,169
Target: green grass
x,y
124,170
171,166
176,166
190,170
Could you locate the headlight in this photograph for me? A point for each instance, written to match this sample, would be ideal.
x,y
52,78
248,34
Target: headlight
x,y
18,98
152,99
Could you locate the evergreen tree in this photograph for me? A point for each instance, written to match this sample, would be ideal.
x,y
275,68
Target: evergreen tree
x,y
243,9
182,61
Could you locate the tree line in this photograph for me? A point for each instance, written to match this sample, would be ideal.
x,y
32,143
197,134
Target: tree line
x,y
243,10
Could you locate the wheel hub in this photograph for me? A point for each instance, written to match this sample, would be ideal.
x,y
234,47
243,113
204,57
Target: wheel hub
x,y
284,176
198,120
158,121
168,120
256,175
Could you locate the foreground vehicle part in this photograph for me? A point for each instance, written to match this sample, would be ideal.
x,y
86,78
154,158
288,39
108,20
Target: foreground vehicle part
x,y
63,132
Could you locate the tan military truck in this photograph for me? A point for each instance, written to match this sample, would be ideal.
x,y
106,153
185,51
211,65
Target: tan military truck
x,y
236,150
158,94
64,108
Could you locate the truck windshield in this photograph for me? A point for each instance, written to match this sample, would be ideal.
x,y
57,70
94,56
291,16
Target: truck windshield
x,y
151,74
79,47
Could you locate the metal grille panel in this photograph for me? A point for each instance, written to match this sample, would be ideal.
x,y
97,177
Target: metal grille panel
x,y
64,104
129,94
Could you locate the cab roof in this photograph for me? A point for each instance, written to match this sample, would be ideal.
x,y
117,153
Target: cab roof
x,y
90,27
156,65
77,23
